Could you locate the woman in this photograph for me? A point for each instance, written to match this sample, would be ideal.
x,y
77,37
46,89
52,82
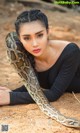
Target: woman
x,y
56,62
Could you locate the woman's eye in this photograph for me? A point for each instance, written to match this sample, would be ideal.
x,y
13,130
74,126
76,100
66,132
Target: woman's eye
x,y
40,35
27,38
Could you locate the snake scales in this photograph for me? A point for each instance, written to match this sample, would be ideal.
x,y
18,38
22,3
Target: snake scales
x,y
24,68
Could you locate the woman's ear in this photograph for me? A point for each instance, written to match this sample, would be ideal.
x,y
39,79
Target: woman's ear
x,y
49,29
18,37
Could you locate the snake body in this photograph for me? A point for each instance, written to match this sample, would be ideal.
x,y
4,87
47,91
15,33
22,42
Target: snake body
x,y
24,68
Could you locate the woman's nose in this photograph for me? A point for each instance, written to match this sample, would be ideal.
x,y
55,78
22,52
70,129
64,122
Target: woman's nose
x,y
34,43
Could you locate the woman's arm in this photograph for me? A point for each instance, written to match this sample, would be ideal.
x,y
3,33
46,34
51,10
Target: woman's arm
x,y
65,76
20,98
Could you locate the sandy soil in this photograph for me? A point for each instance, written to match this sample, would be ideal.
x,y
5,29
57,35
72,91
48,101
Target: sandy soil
x,y
29,118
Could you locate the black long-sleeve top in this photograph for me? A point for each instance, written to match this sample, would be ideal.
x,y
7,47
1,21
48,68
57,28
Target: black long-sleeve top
x,y
63,76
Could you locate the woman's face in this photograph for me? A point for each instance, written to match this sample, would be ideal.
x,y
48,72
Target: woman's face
x,y
34,37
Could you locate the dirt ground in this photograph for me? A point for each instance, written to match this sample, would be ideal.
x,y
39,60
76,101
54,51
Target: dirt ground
x,y
29,118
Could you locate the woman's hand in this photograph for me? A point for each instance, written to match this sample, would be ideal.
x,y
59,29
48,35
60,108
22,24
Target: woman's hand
x,y
5,89
4,96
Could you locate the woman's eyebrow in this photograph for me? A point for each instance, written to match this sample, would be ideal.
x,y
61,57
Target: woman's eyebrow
x,y
39,32
35,33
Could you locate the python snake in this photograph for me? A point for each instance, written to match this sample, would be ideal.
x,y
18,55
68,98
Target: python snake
x,y
19,59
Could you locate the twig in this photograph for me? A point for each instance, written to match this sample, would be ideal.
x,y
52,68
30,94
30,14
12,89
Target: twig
x,y
75,97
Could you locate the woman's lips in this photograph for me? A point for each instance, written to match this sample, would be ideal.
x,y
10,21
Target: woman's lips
x,y
36,50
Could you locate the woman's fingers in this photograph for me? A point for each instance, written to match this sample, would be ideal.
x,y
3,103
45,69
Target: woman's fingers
x,y
5,89
4,97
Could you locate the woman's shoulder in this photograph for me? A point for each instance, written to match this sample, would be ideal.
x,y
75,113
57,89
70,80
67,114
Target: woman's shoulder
x,y
61,45
65,49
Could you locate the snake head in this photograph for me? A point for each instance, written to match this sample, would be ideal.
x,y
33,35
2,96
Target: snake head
x,y
72,122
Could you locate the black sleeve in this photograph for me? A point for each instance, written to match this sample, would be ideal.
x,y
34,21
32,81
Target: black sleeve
x,y
20,96
65,76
